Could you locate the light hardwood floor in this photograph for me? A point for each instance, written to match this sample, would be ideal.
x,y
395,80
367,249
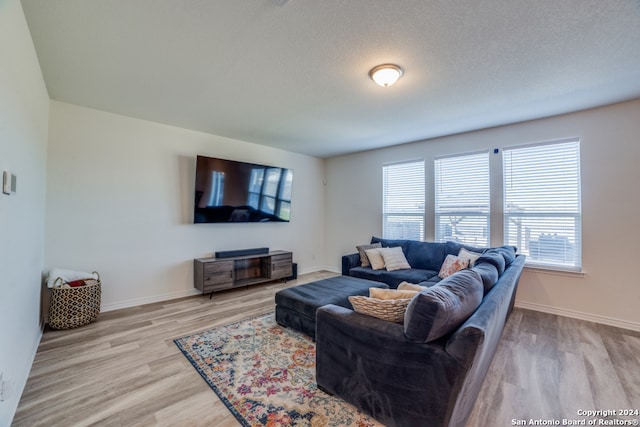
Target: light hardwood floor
x,y
125,370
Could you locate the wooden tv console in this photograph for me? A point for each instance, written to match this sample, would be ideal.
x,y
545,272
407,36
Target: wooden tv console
x,y
218,274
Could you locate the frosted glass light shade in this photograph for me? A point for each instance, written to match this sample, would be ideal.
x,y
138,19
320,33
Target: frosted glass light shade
x,y
386,74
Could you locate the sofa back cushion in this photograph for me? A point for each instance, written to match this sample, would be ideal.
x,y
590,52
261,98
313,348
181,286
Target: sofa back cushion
x,y
426,255
489,274
494,258
508,253
391,243
442,308
421,255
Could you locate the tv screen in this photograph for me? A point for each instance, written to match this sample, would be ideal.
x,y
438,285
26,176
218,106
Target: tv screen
x,y
231,191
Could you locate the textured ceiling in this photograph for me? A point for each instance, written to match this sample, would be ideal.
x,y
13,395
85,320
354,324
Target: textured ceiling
x,y
293,74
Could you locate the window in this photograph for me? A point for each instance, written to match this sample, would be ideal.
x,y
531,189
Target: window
x,y
542,212
403,200
462,199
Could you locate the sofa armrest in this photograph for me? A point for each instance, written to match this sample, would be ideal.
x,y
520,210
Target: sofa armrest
x,y
369,363
350,261
357,324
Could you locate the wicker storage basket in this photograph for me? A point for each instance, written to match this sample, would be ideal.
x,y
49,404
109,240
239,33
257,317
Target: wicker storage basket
x,y
73,307
391,310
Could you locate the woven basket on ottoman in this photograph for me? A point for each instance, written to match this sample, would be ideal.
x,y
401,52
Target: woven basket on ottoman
x,y
74,307
391,310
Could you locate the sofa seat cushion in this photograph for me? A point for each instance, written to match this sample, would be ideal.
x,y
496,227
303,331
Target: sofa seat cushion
x,y
414,275
366,273
393,278
442,308
431,281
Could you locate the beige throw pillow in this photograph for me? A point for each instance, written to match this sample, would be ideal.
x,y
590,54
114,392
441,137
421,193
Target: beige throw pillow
x,y
375,258
406,286
394,259
391,293
469,255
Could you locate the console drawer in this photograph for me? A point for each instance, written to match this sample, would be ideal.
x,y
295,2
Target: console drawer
x,y
213,276
281,266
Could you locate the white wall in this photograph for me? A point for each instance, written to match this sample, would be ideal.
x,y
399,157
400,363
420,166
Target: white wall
x,y
24,106
610,159
120,201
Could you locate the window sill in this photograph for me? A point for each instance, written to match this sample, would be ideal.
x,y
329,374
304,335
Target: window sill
x,y
554,271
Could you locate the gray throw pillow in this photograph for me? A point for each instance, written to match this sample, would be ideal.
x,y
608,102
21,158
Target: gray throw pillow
x,y
364,259
442,308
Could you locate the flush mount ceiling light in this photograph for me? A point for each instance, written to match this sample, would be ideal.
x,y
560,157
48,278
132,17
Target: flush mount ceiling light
x,y
386,74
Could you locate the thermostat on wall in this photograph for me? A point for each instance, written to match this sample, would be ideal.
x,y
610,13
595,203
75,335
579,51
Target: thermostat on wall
x,y
9,182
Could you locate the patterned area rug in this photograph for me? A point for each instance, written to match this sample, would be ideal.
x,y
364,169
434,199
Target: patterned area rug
x,y
265,375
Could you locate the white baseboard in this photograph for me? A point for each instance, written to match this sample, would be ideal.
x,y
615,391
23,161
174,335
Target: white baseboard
x,y
17,385
149,300
618,323
319,268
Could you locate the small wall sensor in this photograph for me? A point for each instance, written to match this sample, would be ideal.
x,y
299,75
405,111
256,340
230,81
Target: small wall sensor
x,y
9,182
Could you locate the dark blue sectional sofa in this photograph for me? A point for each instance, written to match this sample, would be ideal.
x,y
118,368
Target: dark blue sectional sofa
x,y
425,259
396,372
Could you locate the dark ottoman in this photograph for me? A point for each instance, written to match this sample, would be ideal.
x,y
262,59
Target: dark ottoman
x,y
296,307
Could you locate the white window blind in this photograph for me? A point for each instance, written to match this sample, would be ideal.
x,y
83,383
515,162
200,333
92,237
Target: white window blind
x,y
542,207
403,200
462,196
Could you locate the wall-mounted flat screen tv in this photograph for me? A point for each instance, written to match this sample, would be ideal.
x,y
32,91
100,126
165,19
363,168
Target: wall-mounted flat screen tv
x,y
231,191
